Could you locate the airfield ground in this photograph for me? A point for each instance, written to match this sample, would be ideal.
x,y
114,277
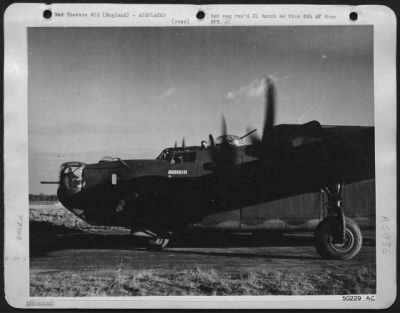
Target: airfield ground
x,y
71,258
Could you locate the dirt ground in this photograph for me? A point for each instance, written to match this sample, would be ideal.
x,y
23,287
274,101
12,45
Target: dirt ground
x,y
79,261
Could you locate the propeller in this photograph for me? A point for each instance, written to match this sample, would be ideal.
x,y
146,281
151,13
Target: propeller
x,y
269,117
224,129
212,141
275,142
223,133
278,140
175,144
224,154
183,143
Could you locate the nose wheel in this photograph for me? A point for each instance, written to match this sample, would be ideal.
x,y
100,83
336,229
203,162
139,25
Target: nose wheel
x,y
157,243
154,241
336,236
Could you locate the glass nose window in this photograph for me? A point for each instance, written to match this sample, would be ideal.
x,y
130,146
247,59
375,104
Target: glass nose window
x,y
71,176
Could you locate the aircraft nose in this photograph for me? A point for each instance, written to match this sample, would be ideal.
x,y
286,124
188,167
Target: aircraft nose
x,y
71,180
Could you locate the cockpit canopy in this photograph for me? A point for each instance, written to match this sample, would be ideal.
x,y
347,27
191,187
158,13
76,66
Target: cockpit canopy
x,y
109,159
177,155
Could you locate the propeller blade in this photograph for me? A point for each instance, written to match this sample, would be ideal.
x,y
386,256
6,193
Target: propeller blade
x,y
213,150
224,127
183,143
212,141
175,144
224,131
269,119
224,154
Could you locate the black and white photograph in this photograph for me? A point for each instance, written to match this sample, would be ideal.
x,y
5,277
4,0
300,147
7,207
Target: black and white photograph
x,y
201,160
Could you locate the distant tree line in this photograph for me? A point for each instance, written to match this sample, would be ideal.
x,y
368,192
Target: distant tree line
x,y
42,197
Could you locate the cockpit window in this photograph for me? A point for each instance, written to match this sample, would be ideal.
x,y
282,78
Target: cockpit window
x,y
177,156
184,156
165,155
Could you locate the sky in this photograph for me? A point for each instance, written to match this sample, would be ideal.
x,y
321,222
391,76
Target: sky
x,y
131,92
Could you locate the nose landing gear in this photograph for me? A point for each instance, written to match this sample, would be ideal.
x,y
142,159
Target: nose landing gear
x,y
157,243
337,237
154,241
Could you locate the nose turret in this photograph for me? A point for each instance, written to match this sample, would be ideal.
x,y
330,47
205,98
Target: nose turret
x,y
71,182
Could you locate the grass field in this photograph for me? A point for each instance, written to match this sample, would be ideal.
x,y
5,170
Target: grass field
x,y
198,281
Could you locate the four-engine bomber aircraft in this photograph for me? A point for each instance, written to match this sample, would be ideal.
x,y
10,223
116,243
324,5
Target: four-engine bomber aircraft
x,y
184,184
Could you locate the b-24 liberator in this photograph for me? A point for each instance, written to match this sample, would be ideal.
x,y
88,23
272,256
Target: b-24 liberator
x,y
160,197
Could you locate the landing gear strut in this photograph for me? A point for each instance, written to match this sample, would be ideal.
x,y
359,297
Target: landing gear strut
x,y
335,211
337,237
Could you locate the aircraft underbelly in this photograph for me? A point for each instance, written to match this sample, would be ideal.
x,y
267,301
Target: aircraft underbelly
x,y
300,212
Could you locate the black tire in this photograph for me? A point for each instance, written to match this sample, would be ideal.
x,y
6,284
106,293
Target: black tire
x,y
157,243
329,250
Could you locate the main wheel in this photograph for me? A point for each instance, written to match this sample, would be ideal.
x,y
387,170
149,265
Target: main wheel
x,y
343,251
157,243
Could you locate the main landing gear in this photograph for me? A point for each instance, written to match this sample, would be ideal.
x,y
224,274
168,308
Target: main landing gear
x,y
337,237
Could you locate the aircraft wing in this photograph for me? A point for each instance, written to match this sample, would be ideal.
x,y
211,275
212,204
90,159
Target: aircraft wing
x,y
336,154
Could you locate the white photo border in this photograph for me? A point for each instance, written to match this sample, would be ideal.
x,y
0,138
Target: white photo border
x,y
18,17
